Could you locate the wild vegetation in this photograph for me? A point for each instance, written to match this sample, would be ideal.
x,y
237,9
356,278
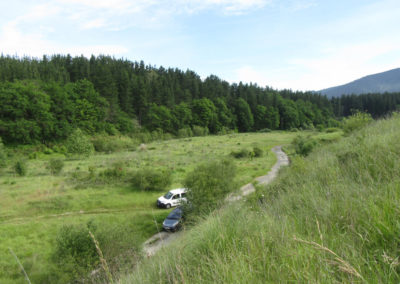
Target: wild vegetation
x,y
46,214
45,100
330,217
87,145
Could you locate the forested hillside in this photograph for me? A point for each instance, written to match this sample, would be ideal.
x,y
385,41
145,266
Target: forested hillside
x,y
385,82
44,99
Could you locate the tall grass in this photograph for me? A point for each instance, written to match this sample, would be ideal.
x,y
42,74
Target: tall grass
x,y
331,217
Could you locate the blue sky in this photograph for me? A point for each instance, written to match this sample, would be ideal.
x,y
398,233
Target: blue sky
x,y
293,44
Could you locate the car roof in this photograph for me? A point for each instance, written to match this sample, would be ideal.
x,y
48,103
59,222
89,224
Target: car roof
x,y
178,190
176,211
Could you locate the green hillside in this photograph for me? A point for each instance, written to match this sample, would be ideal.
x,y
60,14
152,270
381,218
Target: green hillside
x,y
331,217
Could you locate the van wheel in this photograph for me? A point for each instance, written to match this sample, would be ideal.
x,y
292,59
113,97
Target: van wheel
x,y
168,206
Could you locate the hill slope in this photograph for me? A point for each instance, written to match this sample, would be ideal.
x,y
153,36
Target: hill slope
x,y
388,81
332,217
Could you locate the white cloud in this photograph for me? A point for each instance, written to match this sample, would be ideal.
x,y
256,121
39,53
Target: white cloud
x,y
334,66
299,5
16,42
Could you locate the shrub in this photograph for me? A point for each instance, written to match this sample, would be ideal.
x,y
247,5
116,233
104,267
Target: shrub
x,y
78,143
20,168
47,151
303,145
3,155
157,134
258,152
208,185
265,130
185,132
200,131
75,251
143,137
331,130
243,153
60,149
320,127
356,121
109,144
151,179
55,166
117,171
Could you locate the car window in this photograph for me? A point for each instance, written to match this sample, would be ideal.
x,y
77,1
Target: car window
x,y
183,194
175,196
168,195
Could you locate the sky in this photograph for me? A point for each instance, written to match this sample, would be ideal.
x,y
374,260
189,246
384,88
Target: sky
x,y
287,44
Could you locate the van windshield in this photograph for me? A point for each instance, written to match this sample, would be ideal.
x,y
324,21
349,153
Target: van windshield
x,y
168,195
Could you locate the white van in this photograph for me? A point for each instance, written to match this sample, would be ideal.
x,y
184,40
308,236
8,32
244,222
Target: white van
x,y
174,197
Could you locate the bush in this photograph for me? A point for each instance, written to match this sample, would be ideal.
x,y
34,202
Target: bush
x,y
258,152
200,131
110,144
185,132
79,144
75,251
143,137
151,179
243,153
265,130
20,168
331,130
157,134
303,145
55,166
117,171
60,149
209,184
3,155
47,151
356,121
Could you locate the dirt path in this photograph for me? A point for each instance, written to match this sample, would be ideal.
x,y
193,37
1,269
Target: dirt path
x,y
162,239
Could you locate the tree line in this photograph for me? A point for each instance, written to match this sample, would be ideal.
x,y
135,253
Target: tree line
x,y
45,99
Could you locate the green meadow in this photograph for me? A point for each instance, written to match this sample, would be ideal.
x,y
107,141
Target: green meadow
x,y
97,193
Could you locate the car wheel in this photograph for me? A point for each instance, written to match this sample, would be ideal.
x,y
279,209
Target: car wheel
x,y
168,206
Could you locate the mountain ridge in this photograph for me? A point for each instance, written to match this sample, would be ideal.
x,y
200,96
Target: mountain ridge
x,y
384,82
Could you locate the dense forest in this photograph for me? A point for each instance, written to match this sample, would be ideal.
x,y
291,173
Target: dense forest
x,y
45,99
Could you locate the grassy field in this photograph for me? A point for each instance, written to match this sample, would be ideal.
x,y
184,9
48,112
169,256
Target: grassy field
x,y
34,208
332,217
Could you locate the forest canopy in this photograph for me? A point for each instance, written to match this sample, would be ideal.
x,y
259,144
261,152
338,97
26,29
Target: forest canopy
x,y
45,99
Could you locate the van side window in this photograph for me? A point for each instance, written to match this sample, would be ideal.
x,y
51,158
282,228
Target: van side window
x,y
175,196
183,194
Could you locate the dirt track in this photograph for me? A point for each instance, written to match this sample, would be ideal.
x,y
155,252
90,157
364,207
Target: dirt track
x,y
162,239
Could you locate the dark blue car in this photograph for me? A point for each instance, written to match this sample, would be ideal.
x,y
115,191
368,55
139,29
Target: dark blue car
x,y
173,220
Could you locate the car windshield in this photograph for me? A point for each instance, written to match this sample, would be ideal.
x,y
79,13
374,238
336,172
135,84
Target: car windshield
x,y
176,215
168,195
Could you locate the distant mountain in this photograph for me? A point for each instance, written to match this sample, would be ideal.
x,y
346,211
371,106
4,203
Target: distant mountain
x,y
388,81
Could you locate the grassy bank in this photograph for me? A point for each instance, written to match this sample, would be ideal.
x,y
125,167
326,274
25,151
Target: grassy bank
x,y
88,192
331,217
